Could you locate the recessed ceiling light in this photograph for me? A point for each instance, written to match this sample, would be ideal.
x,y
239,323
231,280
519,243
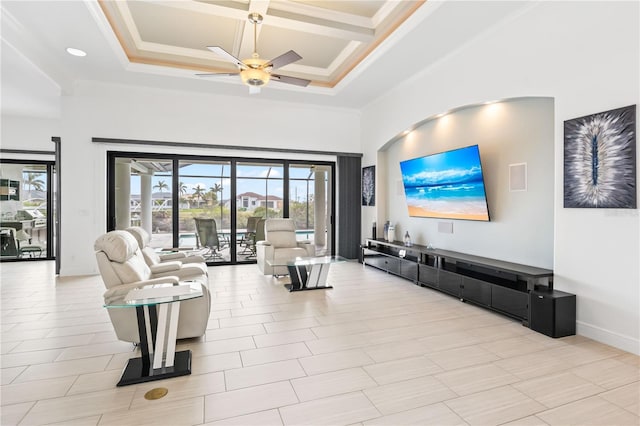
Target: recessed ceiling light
x,y
76,52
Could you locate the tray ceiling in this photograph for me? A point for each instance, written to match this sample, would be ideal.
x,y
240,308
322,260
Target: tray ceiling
x,y
331,36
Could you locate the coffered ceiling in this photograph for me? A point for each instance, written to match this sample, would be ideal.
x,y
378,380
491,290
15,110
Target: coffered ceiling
x,y
331,36
353,51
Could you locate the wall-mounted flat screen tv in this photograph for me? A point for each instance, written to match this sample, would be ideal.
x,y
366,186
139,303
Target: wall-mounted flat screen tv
x,y
446,185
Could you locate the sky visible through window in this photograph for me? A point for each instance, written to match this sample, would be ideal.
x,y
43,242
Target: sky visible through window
x,y
250,178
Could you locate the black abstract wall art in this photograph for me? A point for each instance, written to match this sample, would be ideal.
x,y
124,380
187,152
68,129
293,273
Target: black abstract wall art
x,y
600,160
369,186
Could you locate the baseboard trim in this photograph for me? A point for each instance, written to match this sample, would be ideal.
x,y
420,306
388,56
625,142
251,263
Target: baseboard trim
x,y
620,341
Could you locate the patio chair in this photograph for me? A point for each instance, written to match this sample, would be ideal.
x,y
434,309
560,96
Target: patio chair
x,y
248,241
207,237
249,238
8,242
25,247
260,230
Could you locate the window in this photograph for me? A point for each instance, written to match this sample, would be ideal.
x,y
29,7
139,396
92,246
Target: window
x,y
26,210
166,194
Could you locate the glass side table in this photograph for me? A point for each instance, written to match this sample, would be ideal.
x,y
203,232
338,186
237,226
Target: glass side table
x,y
157,310
308,273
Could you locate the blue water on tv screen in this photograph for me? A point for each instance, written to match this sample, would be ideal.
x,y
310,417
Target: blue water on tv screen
x,y
446,185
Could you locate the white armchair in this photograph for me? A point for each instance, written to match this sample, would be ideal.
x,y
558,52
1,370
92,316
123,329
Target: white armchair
x,y
280,245
182,265
123,268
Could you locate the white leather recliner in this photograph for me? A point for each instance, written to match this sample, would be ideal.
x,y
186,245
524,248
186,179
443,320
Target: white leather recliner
x,y
123,268
188,264
280,245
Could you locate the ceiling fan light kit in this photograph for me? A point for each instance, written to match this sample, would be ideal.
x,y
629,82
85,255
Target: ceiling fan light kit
x,y
255,72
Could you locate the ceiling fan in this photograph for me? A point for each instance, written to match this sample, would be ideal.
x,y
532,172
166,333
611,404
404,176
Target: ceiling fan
x,y
256,72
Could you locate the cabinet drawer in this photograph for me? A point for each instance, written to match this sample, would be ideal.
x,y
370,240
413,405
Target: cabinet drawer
x,y
476,291
377,261
389,264
511,301
449,282
409,270
392,265
428,275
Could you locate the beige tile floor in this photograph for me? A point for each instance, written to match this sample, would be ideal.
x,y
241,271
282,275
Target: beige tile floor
x,y
373,350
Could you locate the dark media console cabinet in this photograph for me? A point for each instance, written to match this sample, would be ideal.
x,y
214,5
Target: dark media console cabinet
x,y
519,291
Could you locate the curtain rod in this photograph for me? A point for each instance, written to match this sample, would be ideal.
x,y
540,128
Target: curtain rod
x,y
25,151
213,146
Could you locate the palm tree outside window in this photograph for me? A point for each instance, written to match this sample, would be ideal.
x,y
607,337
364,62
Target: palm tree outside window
x,y
32,182
199,192
183,191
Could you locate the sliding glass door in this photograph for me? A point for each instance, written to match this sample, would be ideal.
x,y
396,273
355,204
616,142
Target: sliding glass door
x,y
259,195
26,210
204,189
309,206
142,195
214,205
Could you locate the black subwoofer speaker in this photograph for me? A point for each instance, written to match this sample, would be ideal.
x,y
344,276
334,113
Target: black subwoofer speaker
x,y
553,313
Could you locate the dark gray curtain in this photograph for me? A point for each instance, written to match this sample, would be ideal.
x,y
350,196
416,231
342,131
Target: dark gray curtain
x,y
349,205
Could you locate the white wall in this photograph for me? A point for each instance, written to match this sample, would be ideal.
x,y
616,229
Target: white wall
x,y
140,113
585,55
100,110
28,133
510,132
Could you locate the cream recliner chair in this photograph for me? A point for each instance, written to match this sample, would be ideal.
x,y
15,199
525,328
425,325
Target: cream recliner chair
x,y
280,245
123,268
194,263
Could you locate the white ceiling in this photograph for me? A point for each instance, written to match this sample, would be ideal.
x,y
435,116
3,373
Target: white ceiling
x,y
332,36
347,49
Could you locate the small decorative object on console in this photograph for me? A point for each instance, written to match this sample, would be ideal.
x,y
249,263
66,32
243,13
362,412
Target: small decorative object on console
x,y
391,233
407,239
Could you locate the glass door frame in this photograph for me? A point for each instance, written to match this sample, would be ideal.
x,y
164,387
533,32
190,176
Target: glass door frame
x,y
51,188
176,158
224,236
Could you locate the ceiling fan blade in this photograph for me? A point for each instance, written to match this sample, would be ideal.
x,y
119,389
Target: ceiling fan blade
x,y
217,74
282,60
290,80
227,56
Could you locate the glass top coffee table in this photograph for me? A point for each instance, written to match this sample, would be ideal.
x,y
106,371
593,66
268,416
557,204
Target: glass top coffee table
x,y
308,273
157,310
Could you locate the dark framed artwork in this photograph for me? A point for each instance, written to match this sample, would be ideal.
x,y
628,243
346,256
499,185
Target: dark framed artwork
x,y
369,186
600,160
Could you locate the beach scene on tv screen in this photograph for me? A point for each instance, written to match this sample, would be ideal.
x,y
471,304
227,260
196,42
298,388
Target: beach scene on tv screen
x,y
446,185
